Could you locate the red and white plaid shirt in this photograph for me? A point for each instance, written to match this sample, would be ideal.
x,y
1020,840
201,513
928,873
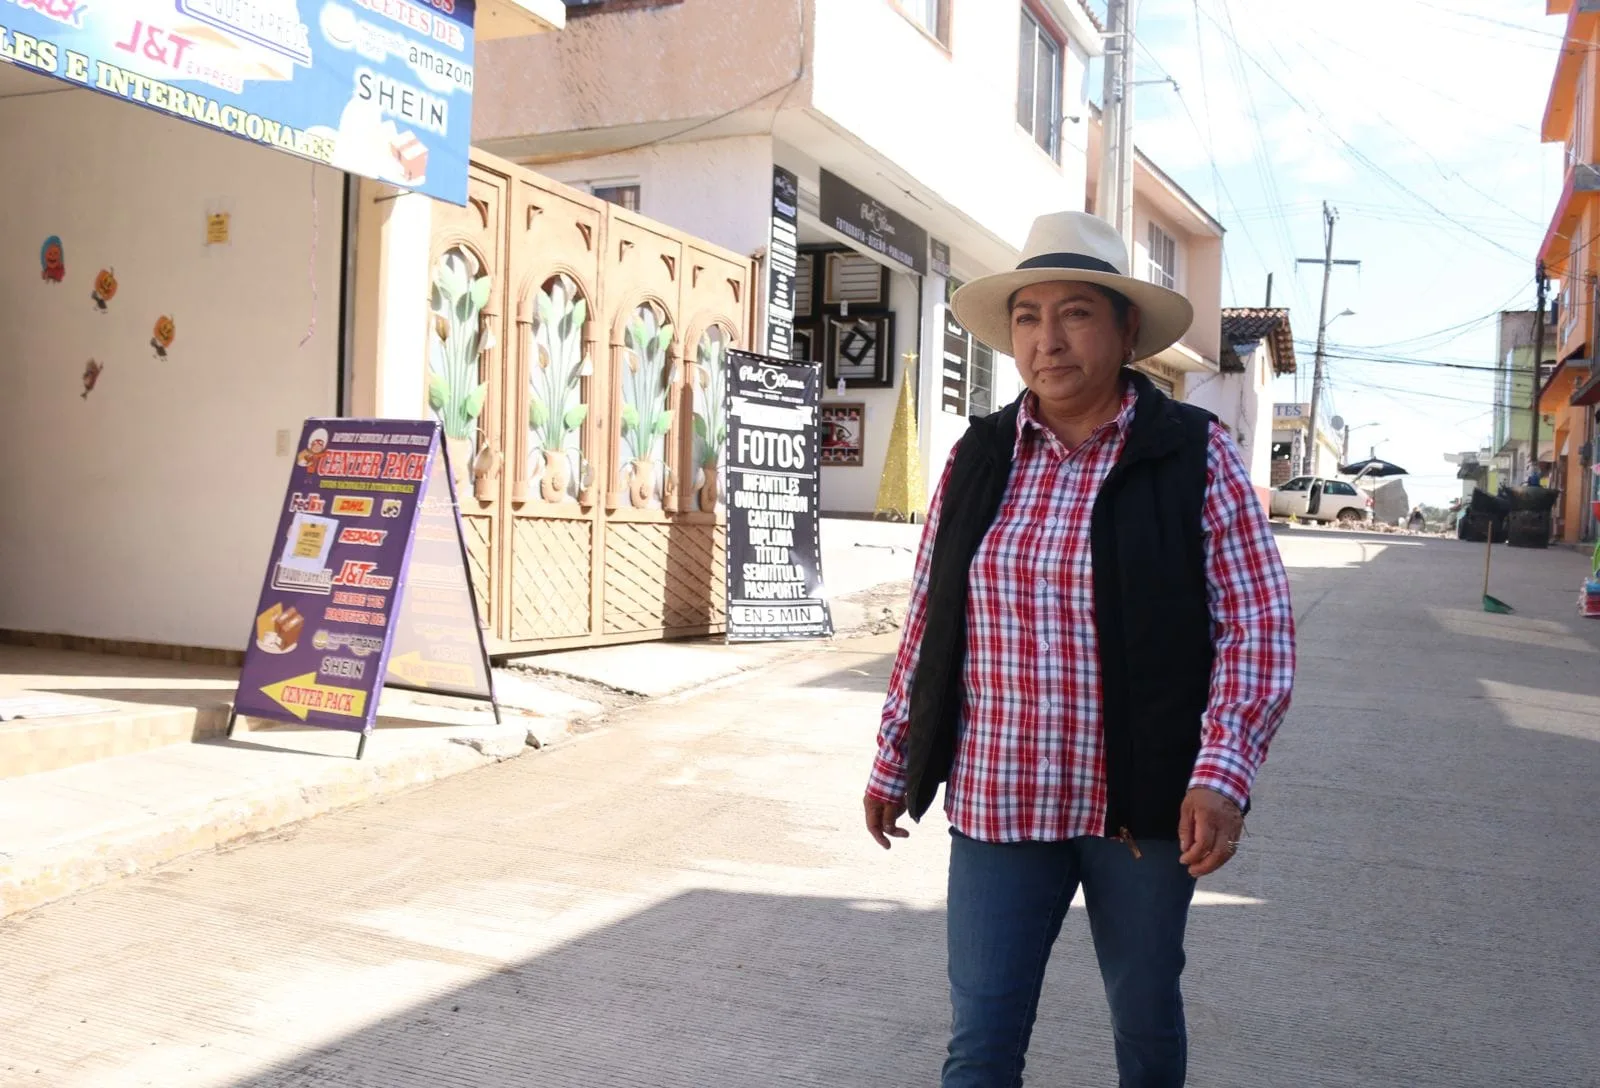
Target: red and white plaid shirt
x,y
1030,761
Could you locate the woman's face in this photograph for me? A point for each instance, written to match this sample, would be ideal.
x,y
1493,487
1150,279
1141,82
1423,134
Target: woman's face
x,y
1067,342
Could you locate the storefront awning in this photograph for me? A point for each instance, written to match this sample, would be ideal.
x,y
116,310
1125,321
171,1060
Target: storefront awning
x,y
1578,192
1563,381
518,18
383,90
1181,356
1588,391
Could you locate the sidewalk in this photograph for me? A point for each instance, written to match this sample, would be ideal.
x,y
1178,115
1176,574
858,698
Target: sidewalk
x,y
685,897
63,831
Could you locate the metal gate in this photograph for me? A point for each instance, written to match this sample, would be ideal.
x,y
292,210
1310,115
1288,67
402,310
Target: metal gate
x,y
575,360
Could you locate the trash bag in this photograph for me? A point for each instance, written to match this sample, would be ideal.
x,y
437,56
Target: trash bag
x,y
1490,505
1533,499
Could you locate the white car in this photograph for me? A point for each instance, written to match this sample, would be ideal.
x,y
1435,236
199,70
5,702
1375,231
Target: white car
x,y
1314,498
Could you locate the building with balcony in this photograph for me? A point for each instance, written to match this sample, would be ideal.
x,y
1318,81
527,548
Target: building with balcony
x,y
1513,396
1257,346
1571,393
1178,244
873,154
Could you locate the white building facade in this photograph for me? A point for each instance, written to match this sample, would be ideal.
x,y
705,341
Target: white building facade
x,y
1257,346
922,138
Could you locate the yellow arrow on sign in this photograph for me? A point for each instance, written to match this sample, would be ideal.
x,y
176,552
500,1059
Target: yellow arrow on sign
x,y
301,695
413,670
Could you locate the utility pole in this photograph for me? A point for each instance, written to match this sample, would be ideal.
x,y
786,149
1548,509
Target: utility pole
x,y
1114,182
1329,218
1538,369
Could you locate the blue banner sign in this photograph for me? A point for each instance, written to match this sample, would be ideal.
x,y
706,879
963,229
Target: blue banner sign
x,y
381,88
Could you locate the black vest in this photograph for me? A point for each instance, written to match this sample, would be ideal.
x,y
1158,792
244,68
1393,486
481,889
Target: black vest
x,y
1152,614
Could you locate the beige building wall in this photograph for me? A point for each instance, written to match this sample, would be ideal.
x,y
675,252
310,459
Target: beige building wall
x,y
1199,277
650,70
709,188
146,511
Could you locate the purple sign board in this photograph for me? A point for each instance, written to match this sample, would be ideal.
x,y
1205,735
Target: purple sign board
x,y
367,583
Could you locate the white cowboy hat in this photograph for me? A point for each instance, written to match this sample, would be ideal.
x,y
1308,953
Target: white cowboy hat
x,y
1082,248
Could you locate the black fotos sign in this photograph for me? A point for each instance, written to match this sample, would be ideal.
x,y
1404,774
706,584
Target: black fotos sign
x,y
774,552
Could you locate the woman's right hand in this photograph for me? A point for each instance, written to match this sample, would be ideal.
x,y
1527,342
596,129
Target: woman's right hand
x,y
882,817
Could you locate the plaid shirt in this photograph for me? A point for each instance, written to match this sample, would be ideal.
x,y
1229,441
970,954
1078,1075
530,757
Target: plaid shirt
x,y
1030,761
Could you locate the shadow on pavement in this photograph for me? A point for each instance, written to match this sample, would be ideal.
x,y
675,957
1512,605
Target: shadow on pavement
x,y
705,988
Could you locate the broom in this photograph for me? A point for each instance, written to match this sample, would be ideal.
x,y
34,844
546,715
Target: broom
x,y
1492,604
1491,509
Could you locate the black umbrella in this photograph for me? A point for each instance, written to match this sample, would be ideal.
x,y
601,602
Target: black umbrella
x,y
1373,466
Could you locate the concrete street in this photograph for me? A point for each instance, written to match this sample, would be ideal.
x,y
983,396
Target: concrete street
x,y
686,898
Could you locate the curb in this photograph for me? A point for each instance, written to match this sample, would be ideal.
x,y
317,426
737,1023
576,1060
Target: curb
x,y
34,878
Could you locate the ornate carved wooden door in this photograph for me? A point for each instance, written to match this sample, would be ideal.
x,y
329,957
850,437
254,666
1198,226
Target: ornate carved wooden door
x,y
575,359
556,407
466,351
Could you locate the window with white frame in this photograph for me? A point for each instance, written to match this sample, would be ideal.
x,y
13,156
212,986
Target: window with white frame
x,y
933,16
1569,309
1039,77
1578,146
624,195
1163,259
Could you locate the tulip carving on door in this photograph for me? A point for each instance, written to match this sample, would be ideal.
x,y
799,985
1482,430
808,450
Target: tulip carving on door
x,y
556,408
455,392
710,426
646,418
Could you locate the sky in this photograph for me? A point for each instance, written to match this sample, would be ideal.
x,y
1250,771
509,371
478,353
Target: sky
x,y
1418,121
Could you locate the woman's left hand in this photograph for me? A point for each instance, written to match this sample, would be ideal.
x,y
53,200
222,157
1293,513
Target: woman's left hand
x,y
1209,826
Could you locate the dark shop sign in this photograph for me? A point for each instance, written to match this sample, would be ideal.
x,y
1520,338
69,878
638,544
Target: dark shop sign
x,y
864,220
782,259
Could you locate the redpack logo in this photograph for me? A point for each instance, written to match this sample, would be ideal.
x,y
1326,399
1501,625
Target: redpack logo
x,y
370,538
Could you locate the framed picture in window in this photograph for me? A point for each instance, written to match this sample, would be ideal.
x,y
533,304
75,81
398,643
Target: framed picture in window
x,y
842,424
860,350
854,280
803,346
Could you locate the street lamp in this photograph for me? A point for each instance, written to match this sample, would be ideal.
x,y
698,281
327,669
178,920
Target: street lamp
x,y
1339,424
1337,316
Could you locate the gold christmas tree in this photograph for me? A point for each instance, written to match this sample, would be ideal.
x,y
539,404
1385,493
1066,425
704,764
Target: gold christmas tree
x,y
902,494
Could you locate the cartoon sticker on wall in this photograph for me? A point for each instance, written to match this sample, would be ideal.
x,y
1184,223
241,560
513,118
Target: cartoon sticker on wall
x,y
91,375
53,260
166,331
105,288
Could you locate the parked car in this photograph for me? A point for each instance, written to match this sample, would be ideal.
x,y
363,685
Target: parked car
x,y
1314,498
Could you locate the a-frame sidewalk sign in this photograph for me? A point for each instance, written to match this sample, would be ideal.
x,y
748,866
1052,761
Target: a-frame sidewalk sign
x,y
368,583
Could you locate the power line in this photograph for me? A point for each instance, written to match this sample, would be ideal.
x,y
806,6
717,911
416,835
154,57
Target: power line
x,y
1477,111
1437,165
1223,192
1262,159
1415,362
1205,101
1365,386
1491,20
1354,151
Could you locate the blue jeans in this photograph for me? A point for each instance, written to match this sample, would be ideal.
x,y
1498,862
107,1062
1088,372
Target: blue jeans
x,y
1006,905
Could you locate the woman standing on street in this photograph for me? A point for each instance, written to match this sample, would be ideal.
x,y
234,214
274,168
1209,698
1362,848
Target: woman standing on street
x,y
1098,651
